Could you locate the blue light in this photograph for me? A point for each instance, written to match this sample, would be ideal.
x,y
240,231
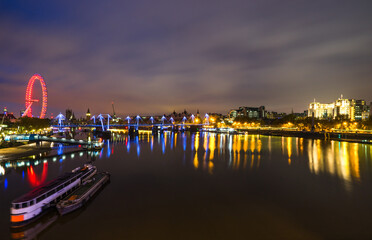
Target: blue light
x,y
172,140
108,149
184,141
60,149
192,142
138,146
6,183
152,143
23,174
128,144
162,144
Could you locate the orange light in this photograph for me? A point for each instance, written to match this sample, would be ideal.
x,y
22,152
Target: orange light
x,y
16,218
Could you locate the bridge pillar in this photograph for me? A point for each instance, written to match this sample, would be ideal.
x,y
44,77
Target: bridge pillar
x,y
193,128
154,130
174,128
133,130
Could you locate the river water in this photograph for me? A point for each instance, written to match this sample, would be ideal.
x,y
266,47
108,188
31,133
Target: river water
x,y
207,186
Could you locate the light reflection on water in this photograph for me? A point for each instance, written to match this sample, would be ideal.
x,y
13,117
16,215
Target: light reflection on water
x,y
186,161
338,159
238,152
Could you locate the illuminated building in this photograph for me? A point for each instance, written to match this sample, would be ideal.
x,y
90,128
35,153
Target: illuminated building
x,y
88,115
365,116
233,113
342,108
361,110
320,110
249,112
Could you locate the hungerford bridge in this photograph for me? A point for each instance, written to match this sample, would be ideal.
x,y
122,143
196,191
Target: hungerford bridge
x,y
104,123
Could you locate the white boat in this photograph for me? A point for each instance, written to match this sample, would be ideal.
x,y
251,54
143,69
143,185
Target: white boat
x,y
30,206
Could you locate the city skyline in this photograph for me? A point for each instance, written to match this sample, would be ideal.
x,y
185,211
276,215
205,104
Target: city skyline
x,y
158,57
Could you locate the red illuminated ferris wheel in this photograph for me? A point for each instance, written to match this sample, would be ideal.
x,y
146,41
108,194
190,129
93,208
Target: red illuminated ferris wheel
x,y
30,100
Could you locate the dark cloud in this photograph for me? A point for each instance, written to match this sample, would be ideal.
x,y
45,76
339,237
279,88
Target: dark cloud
x,y
157,56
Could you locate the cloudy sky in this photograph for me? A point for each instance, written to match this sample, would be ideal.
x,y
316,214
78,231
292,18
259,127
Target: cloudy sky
x,y
164,55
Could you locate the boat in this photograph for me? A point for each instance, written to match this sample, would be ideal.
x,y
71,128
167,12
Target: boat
x,y
83,193
96,146
33,204
33,230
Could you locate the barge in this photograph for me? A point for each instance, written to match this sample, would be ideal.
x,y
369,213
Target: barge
x,y
83,193
33,204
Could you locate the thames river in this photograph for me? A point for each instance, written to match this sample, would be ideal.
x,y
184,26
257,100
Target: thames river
x,y
207,186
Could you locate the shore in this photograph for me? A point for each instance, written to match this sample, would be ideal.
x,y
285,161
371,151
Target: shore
x,y
15,153
23,151
336,136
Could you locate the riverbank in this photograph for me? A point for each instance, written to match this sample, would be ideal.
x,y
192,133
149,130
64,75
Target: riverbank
x,y
336,136
15,153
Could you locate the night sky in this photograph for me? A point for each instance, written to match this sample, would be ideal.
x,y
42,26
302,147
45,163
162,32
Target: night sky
x,y
164,55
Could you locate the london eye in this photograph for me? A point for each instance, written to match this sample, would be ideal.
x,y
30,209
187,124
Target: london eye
x,y
30,100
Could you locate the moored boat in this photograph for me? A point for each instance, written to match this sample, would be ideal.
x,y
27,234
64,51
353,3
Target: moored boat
x,y
82,194
30,206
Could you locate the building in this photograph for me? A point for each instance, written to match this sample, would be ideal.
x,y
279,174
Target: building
x,y
233,113
365,116
361,110
248,112
69,114
87,115
320,110
275,115
7,117
342,109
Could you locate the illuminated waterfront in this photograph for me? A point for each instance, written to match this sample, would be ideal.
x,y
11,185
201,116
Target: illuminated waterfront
x,y
207,185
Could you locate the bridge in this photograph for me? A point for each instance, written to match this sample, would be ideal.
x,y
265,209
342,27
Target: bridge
x,y
40,138
105,126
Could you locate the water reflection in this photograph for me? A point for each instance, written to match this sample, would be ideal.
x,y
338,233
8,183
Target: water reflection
x,y
33,178
247,157
35,170
211,152
339,159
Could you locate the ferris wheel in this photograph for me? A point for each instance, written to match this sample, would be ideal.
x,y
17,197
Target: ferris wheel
x,y
30,100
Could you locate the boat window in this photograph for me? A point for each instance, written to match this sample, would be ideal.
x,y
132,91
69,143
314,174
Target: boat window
x,y
24,205
40,198
60,187
32,203
16,206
